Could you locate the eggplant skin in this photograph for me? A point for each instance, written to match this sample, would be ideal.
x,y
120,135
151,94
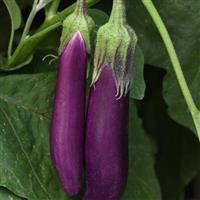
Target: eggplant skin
x,y
106,140
68,117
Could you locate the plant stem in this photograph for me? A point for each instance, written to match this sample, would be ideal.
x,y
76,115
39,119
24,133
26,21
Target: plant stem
x,y
29,20
81,6
11,41
53,8
118,13
175,63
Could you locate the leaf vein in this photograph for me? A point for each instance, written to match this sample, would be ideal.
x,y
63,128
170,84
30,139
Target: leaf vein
x,y
24,152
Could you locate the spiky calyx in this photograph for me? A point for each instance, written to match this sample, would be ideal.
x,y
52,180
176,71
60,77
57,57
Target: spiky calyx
x,y
115,47
77,21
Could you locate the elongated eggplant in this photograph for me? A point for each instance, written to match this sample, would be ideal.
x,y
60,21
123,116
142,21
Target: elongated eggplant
x,y
106,140
107,117
68,118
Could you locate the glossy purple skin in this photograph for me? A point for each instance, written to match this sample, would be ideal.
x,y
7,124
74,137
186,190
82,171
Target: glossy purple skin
x,y
106,141
68,118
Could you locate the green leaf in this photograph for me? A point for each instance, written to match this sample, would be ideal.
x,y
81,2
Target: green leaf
x,y
178,149
25,167
182,21
99,16
14,12
7,195
138,89
142,180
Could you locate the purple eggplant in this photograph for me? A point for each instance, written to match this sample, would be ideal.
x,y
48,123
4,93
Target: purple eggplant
x,y
68,118
106,140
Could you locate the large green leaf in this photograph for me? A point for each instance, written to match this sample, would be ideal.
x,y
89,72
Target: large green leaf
x,y
25,167
182,20
142,180
178,150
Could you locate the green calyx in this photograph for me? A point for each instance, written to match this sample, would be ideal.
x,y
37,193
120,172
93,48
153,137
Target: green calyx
x,y
115,47
77,21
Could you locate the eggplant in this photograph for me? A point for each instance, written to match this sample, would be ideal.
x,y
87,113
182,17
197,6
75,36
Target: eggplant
x,y
68,117
106,140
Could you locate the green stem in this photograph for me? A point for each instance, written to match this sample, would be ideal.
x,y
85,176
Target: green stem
x,y
29,20
81,7
11,41
53,8
175,63
118,13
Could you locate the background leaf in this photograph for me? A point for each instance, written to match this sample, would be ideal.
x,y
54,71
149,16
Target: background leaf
x,y
7,195
182,20
138,88
14,12
142,181
178,150
25,102
99,16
